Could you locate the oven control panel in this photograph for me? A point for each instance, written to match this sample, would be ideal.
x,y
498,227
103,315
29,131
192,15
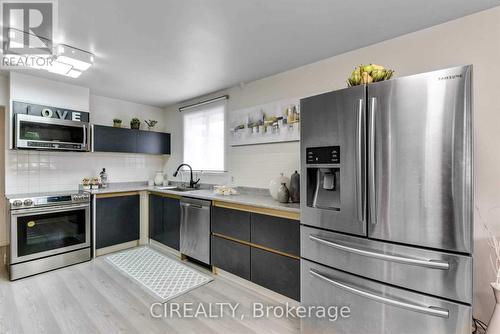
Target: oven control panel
x,y
78,198
49,200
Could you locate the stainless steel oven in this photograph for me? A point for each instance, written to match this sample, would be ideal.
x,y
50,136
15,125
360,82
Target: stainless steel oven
x,y
48,232
44,133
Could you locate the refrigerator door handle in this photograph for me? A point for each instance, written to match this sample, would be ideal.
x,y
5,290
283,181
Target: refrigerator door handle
x,y
360,181
371,162
429,310
432,264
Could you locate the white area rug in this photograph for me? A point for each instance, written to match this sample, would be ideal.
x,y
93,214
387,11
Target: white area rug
x,y
164,277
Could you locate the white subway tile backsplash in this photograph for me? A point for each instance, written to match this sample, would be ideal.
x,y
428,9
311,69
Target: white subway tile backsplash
x,y
31,171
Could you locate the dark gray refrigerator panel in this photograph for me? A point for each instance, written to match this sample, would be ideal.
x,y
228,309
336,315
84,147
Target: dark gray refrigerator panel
x,y
333,162
420,160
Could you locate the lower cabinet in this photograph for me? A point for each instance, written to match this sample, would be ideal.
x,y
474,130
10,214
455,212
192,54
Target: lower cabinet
x,y
231,256
117,220
164,220
261,248
276,272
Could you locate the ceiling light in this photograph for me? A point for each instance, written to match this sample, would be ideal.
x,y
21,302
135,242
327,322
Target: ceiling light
x,y
59,68
79,59
64,59
77,64
74,73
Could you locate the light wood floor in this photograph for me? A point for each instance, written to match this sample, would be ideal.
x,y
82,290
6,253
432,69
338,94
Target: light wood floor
x,y
93,297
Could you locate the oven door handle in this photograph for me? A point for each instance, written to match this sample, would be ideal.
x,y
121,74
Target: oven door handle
x,y
60,208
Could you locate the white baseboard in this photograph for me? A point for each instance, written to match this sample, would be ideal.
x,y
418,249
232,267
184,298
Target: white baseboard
x,y
116,248
255,287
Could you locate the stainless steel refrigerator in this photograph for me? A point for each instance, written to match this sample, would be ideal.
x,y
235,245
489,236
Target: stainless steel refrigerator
x,y
387,205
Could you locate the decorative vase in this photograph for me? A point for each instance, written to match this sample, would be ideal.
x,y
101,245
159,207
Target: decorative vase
x,y
275,184
494,324
283,193
159,178
295,187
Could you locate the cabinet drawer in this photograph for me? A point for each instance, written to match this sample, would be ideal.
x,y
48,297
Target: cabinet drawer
x,y
231,256
409,267
276,272
231,223
276,233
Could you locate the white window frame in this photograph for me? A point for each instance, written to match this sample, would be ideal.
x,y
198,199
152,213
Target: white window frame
x,y
224,139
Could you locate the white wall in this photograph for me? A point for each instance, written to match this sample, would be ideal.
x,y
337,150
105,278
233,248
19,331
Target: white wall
x,y
34,171
104,109
473,40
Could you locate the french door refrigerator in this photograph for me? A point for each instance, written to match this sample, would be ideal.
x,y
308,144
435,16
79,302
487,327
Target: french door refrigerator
x,y
387,205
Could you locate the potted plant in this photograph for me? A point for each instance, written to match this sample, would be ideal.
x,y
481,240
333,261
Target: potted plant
x,y
135,123
151,123
117,123
494,243
86,183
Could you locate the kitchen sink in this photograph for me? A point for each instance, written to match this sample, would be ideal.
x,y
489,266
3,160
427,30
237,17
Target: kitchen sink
x,y
176,188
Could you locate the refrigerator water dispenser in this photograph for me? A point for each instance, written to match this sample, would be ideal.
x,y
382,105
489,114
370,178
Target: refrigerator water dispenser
x,y
323,177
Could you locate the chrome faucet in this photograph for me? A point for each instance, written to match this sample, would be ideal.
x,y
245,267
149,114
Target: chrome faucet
x,y
192,183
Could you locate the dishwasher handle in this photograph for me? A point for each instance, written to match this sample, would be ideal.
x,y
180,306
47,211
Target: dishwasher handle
x,y
195,203
189,205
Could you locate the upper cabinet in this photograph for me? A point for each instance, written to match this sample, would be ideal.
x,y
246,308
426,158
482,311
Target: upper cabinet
x,y
111,139
153,142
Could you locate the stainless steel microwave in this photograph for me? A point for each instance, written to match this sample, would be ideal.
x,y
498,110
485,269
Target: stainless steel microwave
x,y
44,133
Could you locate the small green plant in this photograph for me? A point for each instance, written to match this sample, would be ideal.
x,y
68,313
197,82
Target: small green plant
x,y
135,123
117,123
151,123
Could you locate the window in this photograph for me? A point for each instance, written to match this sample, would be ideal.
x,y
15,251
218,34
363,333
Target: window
x,y
204,133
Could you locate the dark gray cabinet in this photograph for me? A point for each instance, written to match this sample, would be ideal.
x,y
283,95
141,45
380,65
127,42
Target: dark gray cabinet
x,y
231,256
231,223
151,142
164,220
111,139
276,272
277,233
117,220
261,248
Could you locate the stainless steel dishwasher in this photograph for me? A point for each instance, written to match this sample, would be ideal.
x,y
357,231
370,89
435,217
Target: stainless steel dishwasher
x,y
195,229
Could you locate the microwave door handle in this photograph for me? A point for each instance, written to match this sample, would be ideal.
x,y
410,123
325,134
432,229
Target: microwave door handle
x,y
360,182
429,310
427,263
371,162
84,136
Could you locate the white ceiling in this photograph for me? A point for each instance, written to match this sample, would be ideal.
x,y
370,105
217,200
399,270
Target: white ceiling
x,y
165,51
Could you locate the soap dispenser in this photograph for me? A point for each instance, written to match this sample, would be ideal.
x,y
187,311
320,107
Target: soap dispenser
x,y
104,178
